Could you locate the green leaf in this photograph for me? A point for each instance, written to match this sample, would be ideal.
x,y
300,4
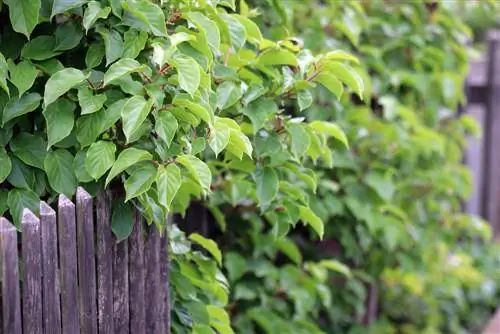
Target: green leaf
x,y
23,15
122,220
267,183
95,54
290,249
168,182
134,113
239,144
121,68
40,48
17,107
20,199
4,195
100,158
134,43
235,265
23,75
277,57
79,166
5,165
59,168
61,6
60,120
228,93
382,184
140,180
30,149
331,83
309,217
68,36
21,176
3,74
126,159
113,44
209,245
335,266
305,99
89,127
166,126
347,75
219,137
61,82
259,111
198,108
149,14
237,31
94,12
90,103
300,139
253,33
341,55
198,169
207,27
329,129
50,66
188,71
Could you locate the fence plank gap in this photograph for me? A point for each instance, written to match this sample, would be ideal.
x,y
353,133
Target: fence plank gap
x,y
50,278
68,266
121,288
153,288
86,262
136,278
11,298
32,273
104,265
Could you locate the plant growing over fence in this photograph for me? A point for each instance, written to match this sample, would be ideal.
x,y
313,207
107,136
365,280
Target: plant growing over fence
x,y
392,202
163,102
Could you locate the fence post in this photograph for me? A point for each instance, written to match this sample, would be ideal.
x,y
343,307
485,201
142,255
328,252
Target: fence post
x,y
86,261
104,265
50,259
136,278
68,266
11,306
32,273
490,207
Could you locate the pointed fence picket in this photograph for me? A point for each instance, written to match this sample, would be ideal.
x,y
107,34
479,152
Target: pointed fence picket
x,y
65,273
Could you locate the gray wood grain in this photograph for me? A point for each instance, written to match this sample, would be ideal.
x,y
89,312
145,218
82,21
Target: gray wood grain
x,y
120,288
136,278
104,265
11,305
50,278
153,289
164,278
68,266
86,262
32,273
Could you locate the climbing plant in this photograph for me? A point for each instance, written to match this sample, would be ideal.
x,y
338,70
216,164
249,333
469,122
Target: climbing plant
x,y
164,102
392,202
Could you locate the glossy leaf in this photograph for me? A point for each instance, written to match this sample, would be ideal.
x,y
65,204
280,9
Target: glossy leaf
x,y
209,245
23,15
126,159
134,113
61,82
140,180
168,182
60,120
59,168
100,158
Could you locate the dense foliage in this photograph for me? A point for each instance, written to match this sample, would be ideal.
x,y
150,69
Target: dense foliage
x,y
349,129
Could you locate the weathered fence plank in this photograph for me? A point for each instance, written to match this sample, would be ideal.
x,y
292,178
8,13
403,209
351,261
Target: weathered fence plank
x,y
68,266
104,265
153,288
11,298
50,277
136,278
165,279
32,273
86,262
120,288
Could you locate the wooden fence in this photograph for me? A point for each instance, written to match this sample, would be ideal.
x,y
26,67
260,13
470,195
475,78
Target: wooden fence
x,y
483,157
75,277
